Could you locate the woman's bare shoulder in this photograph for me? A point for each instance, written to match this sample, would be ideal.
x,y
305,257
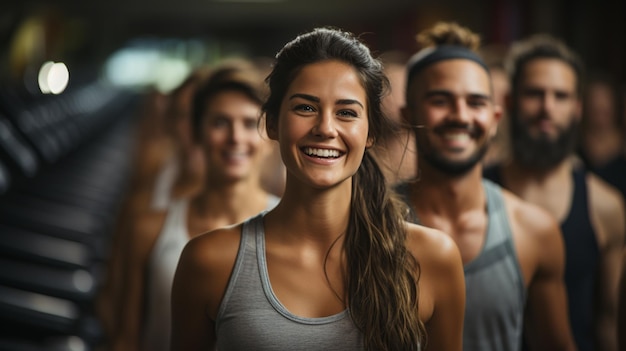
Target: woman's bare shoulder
x,y
213,250
204,269
442,284
432,247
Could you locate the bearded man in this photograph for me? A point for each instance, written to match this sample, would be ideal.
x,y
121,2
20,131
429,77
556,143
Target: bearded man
x,y
545,113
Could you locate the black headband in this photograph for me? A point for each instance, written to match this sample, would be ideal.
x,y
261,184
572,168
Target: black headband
x,y
428,56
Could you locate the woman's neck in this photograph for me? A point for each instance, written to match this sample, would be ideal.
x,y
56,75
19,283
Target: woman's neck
x,y
319,216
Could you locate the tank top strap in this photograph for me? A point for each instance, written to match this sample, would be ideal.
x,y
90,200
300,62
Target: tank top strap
x,y
246,257
580,200
581,262
174,228
498,238
498,229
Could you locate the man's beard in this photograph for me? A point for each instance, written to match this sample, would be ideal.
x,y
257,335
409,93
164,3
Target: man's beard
x,y
540,152
445,165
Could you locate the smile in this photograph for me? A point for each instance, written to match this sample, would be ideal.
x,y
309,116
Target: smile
x,y
462,136
324,153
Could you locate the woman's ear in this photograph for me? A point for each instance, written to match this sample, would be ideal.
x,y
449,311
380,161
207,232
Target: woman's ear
x,y
271,129
370,142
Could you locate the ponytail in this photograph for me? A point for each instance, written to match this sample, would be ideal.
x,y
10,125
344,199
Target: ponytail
x,y
382,285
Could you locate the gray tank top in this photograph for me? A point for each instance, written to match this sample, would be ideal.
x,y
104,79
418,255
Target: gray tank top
x,y
495,292
251,317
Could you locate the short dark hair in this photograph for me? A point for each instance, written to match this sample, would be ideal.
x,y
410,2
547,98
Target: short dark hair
x,y
542,46
226,79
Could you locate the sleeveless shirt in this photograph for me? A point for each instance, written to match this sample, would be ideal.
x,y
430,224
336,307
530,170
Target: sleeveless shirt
x,y
582,257
160,275
161,193
494,287
251,317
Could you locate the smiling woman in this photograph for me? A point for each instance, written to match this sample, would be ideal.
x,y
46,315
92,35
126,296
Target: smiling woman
x,y
333,265
321,117
226,112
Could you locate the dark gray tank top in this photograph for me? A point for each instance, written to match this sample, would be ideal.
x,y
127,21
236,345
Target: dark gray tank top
x,y
495,292
251,317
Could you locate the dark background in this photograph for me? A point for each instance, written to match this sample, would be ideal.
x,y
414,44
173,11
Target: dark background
x,y
85,33
67,161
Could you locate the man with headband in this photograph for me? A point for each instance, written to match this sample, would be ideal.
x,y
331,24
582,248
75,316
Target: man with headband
x,y
512,251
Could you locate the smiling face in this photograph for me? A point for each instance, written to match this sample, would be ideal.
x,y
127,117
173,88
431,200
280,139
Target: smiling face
x,y
323,124
454,114
232,142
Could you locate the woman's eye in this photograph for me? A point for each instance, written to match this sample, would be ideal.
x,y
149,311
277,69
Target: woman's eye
x,y
304,108
347,113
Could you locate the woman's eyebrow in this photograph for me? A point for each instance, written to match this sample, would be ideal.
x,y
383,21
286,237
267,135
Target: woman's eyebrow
x,y
305,96
316,99
349,102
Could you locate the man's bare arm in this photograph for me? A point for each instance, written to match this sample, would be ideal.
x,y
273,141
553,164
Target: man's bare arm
x,y
607,207
547,317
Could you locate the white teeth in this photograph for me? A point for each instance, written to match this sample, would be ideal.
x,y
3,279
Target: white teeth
x,y
236,155
321,152
456,136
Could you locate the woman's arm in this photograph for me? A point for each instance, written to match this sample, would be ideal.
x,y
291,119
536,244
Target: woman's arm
x,y
442,286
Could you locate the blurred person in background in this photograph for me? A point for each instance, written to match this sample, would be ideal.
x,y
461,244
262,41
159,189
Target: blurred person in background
x,y
602,132
182,173
273,173
499,148
512,250
333,266
167,164
614,171
225,124
396,154
545,113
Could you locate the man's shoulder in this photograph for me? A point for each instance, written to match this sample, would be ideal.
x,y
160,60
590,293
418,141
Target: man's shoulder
x,y
607,210
602,195
529,220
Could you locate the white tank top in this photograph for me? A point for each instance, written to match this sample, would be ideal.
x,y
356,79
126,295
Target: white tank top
x,y
160,276
161,194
